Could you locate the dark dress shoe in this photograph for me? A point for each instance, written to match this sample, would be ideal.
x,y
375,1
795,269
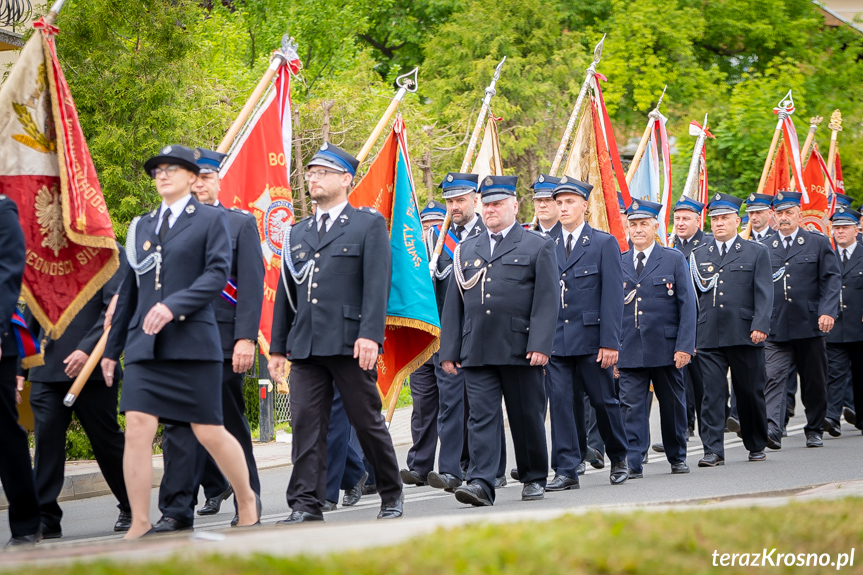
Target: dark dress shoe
x,y
411,477
300,517
636,474
733,425
124,522
562,483
393,509
832,427
329,506
774,441
814,440
446,481
619,472
710,460
236,520
645,458
850,415
757,456
472,494
596,458
680,467
169,525
51,532
690,432
353,495
658,448
22,540
500,482
580,468
214,504
370,488
532,491
514,473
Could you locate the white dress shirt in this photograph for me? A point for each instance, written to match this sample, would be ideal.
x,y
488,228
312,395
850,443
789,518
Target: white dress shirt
x,y
503,232
176,209
728,244
793,237
574,233
647,251
333,213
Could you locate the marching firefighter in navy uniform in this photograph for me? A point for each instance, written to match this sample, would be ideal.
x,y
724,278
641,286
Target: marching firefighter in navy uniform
x,y
735,297
329,320
238,314
498,328
658,339
459,192
806,287
845,340
95,408
587,339
688,236
179,259
16,475
758,208
424,388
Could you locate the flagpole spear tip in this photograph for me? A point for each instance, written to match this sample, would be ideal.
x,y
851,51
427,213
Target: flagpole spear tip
x,y
597,52
54,11
409,80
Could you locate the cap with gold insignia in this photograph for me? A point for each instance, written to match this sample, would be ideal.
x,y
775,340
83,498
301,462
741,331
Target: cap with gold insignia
x,y
569,185
208,160
724,204
785,200
686,203
758,202
333,157
845,216
496,188
642,209
456,184
433,211
543,186
174,155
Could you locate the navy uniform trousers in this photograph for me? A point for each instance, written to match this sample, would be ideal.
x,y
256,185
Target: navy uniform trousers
x,y
16,474
571,379
454,454
635,399
845,380
96,409
424,418
344,465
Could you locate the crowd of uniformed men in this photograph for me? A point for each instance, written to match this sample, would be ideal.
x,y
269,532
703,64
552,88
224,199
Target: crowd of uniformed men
x,y
549,317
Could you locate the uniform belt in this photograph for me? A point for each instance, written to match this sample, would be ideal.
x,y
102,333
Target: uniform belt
x,y
230,292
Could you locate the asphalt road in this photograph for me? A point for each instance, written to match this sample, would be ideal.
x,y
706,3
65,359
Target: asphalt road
x,y
793,468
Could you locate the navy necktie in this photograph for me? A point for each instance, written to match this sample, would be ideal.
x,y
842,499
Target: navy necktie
x,y
163,231
323,229
639,267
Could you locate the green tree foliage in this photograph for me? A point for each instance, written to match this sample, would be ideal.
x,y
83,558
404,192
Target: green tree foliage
x,y
151,72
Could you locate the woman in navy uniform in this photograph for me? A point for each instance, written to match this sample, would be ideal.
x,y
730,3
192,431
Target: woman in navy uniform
x,y
179,257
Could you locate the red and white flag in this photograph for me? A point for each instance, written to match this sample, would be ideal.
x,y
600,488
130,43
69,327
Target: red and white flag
x,y
256,177
46,168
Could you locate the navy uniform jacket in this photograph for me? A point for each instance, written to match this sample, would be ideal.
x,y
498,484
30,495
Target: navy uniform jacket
x,y
196,257
808,287
247,270
12,253
553,232
699,238
665,302
441,286
743,294
520,306
82,334
350,286
849,323
592,294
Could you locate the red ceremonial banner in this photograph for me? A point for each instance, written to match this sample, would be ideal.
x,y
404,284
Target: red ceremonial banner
x,y
257,177
815,210
779,178
609,193
46,168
